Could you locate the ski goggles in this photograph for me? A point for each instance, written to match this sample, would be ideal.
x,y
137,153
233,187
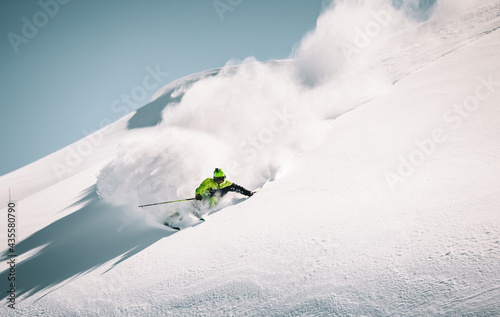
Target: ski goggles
x,y
219,179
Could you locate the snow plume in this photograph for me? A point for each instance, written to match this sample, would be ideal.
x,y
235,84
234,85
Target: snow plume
x,y
346,36
249,119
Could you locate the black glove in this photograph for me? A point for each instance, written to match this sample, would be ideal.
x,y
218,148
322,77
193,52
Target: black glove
x,y
199,197
250,194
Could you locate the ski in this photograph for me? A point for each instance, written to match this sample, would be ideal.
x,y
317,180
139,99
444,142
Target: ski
x,y
171,227
197,216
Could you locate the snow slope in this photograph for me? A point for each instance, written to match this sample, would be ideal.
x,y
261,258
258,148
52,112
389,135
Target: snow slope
x,y
382,200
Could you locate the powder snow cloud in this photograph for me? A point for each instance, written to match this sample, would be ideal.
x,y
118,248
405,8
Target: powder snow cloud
x,y
252,117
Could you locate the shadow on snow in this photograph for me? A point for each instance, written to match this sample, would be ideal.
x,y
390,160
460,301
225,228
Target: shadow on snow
x,y
151,114
78,243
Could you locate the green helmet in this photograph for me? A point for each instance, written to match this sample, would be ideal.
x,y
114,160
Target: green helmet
x,y
219,175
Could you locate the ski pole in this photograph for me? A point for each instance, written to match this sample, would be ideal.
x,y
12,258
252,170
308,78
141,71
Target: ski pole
x,y
167,202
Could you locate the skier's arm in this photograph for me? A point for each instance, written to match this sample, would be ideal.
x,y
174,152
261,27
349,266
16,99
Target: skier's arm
x,y
203,190
237,188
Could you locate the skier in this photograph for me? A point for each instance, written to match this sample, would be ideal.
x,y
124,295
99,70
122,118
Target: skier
x,y
212,189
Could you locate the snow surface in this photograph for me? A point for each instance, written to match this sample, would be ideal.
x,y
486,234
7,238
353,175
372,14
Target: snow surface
x,y
381,173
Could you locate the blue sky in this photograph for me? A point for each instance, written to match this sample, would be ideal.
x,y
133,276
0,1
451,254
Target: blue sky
x,y
63,64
